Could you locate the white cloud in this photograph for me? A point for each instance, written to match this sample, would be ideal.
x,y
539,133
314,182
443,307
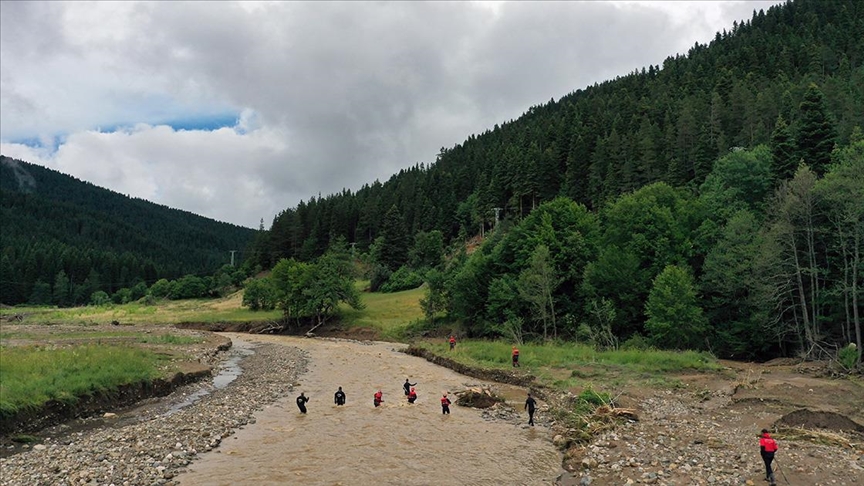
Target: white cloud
x,y
327,95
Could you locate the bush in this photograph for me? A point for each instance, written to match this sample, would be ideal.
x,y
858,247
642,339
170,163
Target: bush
x,y
259,295
99,298
636,342
402,279
848,356
378,276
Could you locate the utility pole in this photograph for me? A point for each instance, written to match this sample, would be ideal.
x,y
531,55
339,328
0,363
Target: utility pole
x,y
232,256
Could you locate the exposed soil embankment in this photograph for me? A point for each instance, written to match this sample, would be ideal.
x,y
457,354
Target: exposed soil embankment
x,y
55,412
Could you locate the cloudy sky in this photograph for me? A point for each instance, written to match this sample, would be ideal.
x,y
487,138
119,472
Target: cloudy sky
x,y
236,111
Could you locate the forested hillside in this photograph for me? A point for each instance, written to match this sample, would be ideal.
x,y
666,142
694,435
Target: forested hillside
x,y
63,236
712,202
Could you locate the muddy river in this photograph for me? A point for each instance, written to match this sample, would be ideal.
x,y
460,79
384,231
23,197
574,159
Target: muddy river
x,y
397,443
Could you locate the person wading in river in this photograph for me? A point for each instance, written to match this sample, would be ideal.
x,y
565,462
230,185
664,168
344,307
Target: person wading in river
x,y
445,405
767,448
407,386
412,396
530,404
301,402
339,397
378,398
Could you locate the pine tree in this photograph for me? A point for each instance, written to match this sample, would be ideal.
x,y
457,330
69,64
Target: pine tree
x,y
395,240
783,154
815,131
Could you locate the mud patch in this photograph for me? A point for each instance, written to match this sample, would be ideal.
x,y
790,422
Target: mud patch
x,y
809,419
476,399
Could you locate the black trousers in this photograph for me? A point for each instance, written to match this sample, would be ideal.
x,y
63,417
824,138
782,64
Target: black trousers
x,y
768,457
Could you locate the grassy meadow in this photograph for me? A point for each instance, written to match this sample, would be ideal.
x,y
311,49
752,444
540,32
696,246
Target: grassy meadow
x,y
572,366
33,375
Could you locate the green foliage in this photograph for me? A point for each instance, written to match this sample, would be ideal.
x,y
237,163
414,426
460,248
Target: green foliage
x,y
816,136
32,376
395,241
162,288
402,279
259,295
100,298
188,287
428,249
101,240
848,356
784,153
675,320
435,296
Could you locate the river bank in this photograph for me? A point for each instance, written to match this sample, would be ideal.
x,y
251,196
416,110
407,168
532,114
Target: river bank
x,y
152,446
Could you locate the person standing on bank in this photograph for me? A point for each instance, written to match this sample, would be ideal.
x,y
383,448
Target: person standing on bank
x,y
767,448
339,397
515,357
445,405
452,342
530,405
301,402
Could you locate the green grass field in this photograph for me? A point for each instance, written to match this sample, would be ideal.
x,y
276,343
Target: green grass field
x,y
571,365
31,376
389,314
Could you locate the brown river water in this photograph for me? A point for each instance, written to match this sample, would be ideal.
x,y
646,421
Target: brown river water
x,y
397,443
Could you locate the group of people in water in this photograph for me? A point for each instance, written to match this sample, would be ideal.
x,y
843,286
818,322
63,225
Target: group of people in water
x,y
411,395
378,398
411,392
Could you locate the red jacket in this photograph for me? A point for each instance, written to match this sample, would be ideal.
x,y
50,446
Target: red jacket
x,y
445,401
767,444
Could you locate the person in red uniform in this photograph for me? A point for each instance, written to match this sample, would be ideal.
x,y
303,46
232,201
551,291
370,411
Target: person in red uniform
x,y
445,405
412,396
515,357
378,398
452,342
767,448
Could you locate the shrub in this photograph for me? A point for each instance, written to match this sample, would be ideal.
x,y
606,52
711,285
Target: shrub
x,y
848,356
99,298
402,279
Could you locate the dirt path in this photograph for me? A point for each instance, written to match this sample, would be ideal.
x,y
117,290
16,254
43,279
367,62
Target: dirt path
x,y
397,443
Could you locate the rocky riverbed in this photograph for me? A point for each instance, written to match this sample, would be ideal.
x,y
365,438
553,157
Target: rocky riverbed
x,y
161,441
681,439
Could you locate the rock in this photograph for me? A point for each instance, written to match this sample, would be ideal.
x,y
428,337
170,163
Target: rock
x,y
109,415
585,481
39,447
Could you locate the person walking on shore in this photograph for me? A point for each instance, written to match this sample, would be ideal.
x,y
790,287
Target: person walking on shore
x,y
452,342
339,397
515,357
767,448
301,402
379,397
530,405
445,405
407,386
